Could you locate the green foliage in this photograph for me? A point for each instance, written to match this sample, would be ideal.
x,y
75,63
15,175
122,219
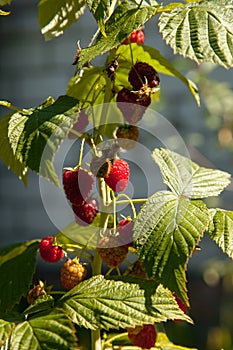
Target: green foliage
x,y
221,229
186,178
201,31
99,9
57,15
49,330
167,230
123,21
100,303
31,137
163,343
6,329
17,266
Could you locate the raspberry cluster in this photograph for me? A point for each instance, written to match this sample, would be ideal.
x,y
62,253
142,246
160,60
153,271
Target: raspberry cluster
x,y
49,251
78,184
132,103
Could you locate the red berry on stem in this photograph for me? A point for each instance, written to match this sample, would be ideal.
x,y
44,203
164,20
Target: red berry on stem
x,y
86,212
72,273
132,104
50,252
77,184
118,176
143,336
112,251
143,74
137,36
125,230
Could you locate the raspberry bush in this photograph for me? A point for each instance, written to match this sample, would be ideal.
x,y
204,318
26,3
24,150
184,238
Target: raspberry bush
x,y
128,274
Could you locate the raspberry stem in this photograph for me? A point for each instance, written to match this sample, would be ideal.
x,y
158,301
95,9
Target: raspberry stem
x,y
130,202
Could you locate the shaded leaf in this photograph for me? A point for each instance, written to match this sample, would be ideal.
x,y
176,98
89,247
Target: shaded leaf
x,y
42,303
57,15
221,229
163,343
17,266
35,135
51,330
188,179
100,303
6,329
6,152
166,231
124,20
201,31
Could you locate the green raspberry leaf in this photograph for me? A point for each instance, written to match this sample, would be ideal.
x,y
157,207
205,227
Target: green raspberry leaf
x,y
153,57
104,303
166,231
99,9
7,154
221,229
34,135
186,178
202,31
6,329
57,15
17,266
48,330
125,19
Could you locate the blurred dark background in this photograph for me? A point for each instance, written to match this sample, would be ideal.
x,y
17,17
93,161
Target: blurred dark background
x,y
32,69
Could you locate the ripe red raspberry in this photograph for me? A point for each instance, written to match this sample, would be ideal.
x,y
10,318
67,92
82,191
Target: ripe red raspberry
x,y
125,230
79,126
50,252
137,36
86,212
118,176
111,250
182,306
72,273
127,135
77,184
143,336
143,74
136,104
35,292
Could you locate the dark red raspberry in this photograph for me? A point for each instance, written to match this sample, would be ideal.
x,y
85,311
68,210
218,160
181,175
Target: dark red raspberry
x,y
143,74
182,306
125,230
132,104
77,184
50,252
111,250
86,212
35,292
118,176
79,126
137,36
143,336
72,273
127,136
